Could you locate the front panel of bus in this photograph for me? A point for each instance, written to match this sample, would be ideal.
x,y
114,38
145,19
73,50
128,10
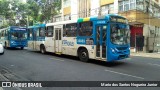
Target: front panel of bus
x,y
118,38
18,37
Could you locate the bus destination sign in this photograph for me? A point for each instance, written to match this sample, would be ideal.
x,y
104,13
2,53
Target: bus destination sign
x,y
118,19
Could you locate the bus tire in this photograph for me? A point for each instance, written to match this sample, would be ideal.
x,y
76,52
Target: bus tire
x,y
42,49
22,48
83,55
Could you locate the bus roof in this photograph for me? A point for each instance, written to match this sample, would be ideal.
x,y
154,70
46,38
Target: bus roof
x,y
97,18
37,25
16,27
61,22
3,29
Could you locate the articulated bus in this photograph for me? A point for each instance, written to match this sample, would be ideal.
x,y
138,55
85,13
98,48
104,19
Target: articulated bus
x,y
14,36
105,38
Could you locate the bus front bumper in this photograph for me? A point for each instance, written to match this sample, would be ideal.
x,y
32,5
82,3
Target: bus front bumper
x,y
115,57
18,44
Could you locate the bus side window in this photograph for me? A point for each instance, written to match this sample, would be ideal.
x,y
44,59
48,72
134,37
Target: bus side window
x,y
37,32
42,32
46,31
71,30
49,31
30,31
5,33
85,29
64,30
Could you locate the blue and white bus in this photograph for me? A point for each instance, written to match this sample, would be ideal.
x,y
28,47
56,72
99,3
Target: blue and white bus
x,y
14,36
36,36
105,38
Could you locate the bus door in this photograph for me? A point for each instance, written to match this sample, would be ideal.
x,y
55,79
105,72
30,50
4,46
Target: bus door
x,y
101,41
58,40
34,39
49,39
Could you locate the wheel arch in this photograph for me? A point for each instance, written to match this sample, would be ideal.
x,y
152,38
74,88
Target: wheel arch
x,y
80,48
42,45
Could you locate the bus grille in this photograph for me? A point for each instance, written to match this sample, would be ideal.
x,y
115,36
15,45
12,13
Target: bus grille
x,y
122,48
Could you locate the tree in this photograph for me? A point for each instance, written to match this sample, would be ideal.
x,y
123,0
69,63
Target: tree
x,y
49,8
4,9
34,10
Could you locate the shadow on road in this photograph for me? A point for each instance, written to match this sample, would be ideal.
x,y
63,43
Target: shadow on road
x,y
108,64
14,48
92,61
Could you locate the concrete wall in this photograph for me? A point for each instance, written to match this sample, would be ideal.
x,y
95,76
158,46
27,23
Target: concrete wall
x,y
94,7
152,38
74,9
148,39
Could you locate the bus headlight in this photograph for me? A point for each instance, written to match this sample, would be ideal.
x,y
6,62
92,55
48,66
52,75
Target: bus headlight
x,y
12,42
116,50
113,51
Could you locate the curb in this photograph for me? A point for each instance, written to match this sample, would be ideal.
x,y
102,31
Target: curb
x,y
151,55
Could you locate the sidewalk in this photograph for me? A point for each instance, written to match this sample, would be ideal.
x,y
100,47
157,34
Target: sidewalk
x,y
143,54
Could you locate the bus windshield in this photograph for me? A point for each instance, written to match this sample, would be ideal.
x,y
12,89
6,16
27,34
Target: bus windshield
x,y
120,34
18,35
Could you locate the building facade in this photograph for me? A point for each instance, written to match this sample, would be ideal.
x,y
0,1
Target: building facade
x,y
143,16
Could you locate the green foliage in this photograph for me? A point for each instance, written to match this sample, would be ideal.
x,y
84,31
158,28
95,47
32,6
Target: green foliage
x,y
35,11
4,9
49,9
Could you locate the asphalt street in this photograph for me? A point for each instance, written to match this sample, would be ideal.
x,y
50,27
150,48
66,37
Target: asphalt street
x,y
24,65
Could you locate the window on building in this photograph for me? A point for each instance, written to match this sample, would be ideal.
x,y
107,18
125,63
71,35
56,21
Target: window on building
x,y
67,17
111,8
70,30
121,6
104,9
140,5
49,31
125,5
85,29
107,9
132,4
58,19
66,3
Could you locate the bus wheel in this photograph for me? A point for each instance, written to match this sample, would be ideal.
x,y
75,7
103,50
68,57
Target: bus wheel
x,y
83,55
42,49
22,48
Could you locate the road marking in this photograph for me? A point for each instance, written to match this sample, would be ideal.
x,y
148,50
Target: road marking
x,y
12,65
57,59
154,64
124,74
128,58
